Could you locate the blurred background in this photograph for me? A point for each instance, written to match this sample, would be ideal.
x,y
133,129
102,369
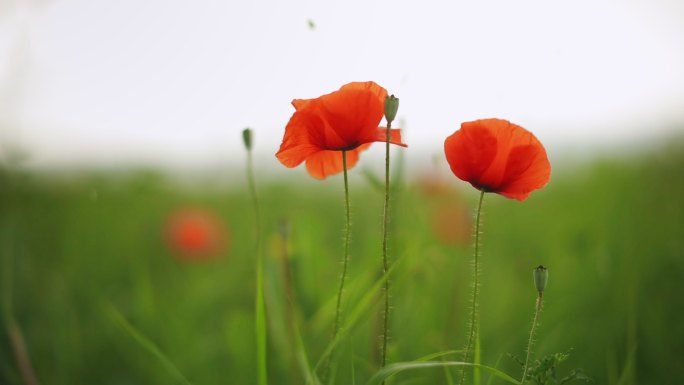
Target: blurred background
x,y
125,221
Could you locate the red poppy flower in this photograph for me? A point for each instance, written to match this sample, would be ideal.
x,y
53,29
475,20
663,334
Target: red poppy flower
x,y
195,234
344,120
498,156
452,223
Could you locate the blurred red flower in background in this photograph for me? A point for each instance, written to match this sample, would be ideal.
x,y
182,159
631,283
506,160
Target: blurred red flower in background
x,y
452,224
344,120
195,234
498,156
449,217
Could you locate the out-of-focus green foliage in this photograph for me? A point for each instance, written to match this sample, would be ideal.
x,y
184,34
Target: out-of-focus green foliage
x,y
544,371
610,233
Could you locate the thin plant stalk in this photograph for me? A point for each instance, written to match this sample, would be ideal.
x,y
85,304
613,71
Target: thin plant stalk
x,y
385,264
259,305
476,285
530,342
345,260
289,298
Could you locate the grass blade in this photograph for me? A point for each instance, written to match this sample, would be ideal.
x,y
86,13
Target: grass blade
x,y
361,308
393,369
145,343
259,301
303,359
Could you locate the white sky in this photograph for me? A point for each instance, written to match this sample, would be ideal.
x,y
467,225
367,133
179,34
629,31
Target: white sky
x,y
174,82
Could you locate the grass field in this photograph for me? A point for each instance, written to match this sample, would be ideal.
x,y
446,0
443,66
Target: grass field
x,y
99,298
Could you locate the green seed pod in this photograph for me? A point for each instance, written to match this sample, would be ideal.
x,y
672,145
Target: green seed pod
x,y
247,138
391,108
541,278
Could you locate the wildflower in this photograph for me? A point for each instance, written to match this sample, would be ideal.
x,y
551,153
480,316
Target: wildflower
x,y
195,234
452,224
344,120
495,155
449,217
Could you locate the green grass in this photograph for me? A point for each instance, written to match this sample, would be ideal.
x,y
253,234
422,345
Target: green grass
x,y
609,231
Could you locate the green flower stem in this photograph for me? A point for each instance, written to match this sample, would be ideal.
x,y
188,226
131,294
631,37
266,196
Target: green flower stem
x,y
259,305
531,340
385,264
347,234
288,290
345,260
476,286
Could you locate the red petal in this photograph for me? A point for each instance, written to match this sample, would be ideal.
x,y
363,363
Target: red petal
x,y
470,151
498,156
300,140
300,104
353,113
528,169
325,163
346,119
395,136
371,87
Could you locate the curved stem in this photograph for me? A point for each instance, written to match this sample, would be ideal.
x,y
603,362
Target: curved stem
x,y
476,286
347,233
259,305
531,340
385,264
343,277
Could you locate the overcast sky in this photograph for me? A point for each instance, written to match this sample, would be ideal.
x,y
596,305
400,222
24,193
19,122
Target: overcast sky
x,y
174,82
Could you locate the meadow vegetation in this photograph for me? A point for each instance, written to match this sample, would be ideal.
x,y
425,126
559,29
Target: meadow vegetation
x,y
100,298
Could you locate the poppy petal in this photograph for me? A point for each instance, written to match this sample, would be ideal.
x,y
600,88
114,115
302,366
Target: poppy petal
x,y
508,137
353,113
344,120
498,156
371,87
395,136
527,170
299,141
300,104
470,151
325,163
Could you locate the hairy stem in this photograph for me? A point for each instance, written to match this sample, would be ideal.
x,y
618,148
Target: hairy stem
x,y
476,286
345,260
531,340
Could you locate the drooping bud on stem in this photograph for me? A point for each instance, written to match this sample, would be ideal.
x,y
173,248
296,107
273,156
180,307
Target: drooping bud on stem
x,y
247,138
541,278
391,108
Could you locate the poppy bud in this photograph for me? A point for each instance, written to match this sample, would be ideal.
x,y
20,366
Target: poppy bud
x,y
391,108
541,277
247,138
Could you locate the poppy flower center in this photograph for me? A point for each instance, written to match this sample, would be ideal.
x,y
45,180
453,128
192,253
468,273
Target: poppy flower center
x,y
349,147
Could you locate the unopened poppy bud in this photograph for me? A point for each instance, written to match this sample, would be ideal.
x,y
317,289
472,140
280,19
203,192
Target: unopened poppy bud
x,y
541,277
247,138
391,108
